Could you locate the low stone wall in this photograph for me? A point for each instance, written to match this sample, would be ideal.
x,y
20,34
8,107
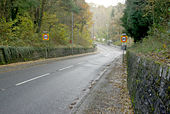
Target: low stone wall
x,y
149,85
20,54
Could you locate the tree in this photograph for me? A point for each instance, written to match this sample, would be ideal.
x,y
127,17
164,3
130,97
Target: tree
x,y
135,23
115,28
158,10
23,21
101,17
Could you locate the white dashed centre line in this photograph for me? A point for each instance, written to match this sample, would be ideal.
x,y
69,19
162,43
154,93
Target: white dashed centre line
x,y
18,84
66,68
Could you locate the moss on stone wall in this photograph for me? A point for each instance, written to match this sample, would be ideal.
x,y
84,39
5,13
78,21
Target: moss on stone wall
x,y
148,84
20,54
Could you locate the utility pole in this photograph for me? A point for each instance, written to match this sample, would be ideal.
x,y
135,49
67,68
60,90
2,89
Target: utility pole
x,y
107,34
72,31
93,32
78,37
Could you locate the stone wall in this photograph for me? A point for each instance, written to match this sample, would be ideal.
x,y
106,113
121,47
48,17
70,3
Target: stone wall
x,y
20,54
148,84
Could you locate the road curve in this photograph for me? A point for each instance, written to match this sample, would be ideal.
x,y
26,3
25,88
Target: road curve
x,y
50,88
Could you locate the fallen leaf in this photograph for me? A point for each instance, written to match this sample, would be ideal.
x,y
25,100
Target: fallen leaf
x,y
70,106
73,103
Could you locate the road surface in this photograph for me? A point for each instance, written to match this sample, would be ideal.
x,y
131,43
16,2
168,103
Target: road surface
x,y
50,88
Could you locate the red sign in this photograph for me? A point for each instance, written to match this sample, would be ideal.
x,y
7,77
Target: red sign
x,y
124,39
45,36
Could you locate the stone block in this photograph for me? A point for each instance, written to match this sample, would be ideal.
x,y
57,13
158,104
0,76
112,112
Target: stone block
x,y
149,82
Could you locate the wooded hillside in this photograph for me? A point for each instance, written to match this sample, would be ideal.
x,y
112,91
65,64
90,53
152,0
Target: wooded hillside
x,y
101,17
147,21
22,22
115,26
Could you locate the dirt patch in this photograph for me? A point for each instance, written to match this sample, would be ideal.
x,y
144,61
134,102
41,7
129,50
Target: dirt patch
x,y
110,96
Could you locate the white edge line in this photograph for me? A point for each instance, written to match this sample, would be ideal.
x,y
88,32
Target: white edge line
x,y
18,84
65,68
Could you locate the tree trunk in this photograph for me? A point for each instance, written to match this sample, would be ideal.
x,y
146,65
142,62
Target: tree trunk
x,y
41,15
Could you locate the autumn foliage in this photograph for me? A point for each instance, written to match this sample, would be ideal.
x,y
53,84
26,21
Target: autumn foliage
x,y
22,22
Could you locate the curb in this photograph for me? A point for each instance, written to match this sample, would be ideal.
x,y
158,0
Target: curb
x,y
101,74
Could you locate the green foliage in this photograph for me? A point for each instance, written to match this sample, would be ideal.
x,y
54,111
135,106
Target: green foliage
x,y
156,44
86,39
135,23
25,4
5,31
115,28
18,32
141,16
118,43
60,34
158,9
24,21
69,5
23,31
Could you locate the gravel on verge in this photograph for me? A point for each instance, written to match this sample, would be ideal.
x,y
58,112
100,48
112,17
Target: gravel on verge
x,y
110,95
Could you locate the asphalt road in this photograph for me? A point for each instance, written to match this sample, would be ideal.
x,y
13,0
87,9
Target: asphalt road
x,y
50,88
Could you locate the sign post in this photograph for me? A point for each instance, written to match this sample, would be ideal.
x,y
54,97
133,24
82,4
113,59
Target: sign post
x,y
45,37
123,40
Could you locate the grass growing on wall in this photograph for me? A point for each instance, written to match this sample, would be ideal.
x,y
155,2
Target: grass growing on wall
x,y
21,54
155,46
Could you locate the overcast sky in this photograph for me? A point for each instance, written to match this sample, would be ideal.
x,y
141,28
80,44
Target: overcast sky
x,y
106,3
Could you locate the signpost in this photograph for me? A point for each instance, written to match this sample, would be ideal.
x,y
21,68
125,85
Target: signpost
x,y
45,37
124,39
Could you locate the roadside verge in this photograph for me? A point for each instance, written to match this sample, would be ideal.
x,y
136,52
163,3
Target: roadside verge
x,y
110,94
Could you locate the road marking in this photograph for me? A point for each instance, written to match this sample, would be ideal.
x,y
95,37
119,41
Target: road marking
x,y
80,63
2,89
106,55
18,84
66,68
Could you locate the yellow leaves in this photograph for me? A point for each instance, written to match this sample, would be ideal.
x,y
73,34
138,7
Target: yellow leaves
x,y
17,31
5,26
50,18
164,46
26,24
24,27
60,34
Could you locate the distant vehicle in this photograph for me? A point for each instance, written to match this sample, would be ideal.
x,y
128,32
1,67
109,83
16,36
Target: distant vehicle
x,y
109,42
94,44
